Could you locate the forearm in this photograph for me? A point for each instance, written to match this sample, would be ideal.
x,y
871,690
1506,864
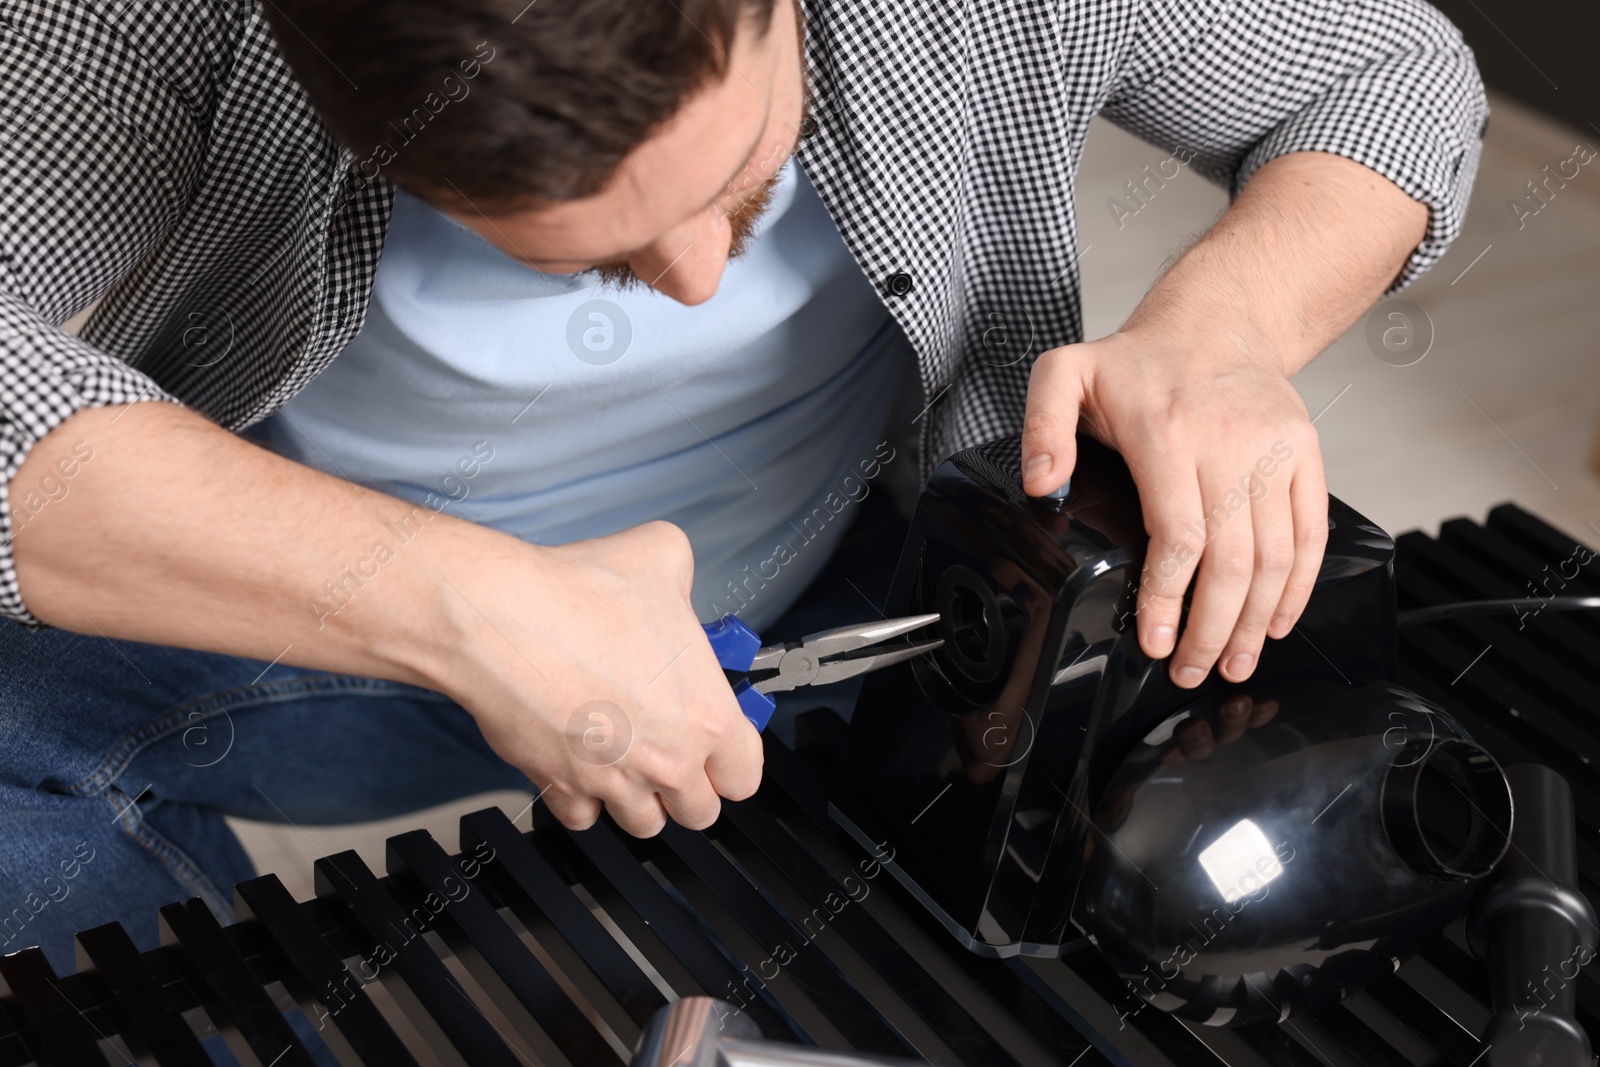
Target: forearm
x,y
180,533
177,532
1308,246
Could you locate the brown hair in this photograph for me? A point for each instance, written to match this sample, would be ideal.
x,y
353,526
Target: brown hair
x,y
503,103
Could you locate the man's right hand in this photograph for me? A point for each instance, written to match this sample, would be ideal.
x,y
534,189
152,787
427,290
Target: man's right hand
x,y
586,667
582,664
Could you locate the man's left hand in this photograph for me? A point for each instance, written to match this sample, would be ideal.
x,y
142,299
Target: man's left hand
x,y
1230,478
1194,391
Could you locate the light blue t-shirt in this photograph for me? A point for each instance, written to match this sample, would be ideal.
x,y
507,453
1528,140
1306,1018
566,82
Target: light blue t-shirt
x,y
556,410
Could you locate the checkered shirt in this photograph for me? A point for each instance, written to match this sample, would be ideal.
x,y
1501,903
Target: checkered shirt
x,y
159,157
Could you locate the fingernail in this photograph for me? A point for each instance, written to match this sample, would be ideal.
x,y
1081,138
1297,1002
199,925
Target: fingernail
x,y
1189,677
1036,466
1240,665
1161,638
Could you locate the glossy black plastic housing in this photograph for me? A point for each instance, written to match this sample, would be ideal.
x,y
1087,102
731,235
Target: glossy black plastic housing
x,y
979,764
1250,866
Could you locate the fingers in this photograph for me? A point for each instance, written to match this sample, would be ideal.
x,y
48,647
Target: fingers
x,y
1173,519
1254,542
734,767
572,811
1308,499
1272,531
1224,581
1049,429
636,809
639,813
695,805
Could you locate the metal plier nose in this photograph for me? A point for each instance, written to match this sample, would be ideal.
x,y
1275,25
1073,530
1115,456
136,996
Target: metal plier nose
x,y
756,670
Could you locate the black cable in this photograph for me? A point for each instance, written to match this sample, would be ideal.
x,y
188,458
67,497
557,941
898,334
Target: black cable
x,y
1492,607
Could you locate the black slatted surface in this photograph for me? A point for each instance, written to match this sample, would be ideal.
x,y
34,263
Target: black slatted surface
x,y
556,948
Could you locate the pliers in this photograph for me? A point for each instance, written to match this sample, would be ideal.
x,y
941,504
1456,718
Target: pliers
x,y
755,670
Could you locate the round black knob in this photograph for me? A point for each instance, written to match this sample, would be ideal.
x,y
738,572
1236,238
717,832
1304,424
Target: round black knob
x,y
899,283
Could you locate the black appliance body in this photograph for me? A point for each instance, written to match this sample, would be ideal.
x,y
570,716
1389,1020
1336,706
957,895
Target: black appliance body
x,y
994,771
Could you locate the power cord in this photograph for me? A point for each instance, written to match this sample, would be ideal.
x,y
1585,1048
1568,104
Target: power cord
x,y
1494,607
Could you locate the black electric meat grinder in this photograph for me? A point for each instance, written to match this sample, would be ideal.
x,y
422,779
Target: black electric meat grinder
x,y
1240,852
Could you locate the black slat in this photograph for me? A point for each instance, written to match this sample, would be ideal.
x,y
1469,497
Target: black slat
x,y
540,897
1092,975
1429,654
1120,1039
1454,1042
1538,644
1508,681
811,969
496,958
1356,1039
231,992
440,1009
321,974
154,1023
670,922
1279,1046
14,1050
1001,1001
65,1037
1520,566
796,790
1514,526
960,1031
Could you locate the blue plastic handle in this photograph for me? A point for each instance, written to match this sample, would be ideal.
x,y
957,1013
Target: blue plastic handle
x,y
757,706
736,645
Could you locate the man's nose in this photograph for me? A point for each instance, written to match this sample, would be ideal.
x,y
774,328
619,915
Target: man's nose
x,y
687,262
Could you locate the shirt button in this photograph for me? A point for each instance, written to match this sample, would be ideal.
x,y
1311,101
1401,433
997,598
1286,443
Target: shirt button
x,y
899,283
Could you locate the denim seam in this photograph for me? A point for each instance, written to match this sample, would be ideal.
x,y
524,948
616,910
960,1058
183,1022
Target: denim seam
x,y
208,707
183,869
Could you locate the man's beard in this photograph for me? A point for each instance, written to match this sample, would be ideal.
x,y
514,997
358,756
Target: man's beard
x,y
750,205
741,219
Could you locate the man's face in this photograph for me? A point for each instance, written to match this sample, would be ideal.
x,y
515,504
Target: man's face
x,y
685,201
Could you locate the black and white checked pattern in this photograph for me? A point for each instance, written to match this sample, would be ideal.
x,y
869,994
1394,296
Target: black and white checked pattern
x,y
160,156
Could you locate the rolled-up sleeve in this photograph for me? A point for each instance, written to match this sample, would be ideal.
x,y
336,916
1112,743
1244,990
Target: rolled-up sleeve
x,y
88,182
1390,84
46,376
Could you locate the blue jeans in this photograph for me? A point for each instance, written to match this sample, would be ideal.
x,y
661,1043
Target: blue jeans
x,y
119,760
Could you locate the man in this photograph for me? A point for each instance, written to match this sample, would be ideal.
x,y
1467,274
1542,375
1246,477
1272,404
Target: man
x,y
236,630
